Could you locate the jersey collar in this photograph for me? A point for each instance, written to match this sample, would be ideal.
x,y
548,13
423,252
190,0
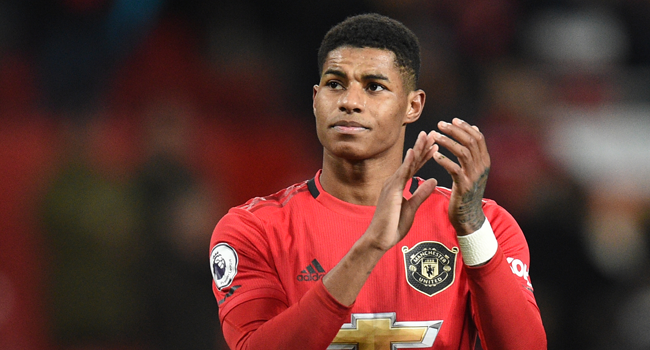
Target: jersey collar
x,y
346,208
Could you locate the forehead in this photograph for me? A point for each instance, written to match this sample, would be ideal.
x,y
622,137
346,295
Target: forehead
x,y
366,59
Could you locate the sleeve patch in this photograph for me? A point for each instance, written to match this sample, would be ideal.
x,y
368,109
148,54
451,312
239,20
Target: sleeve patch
x,y
223,264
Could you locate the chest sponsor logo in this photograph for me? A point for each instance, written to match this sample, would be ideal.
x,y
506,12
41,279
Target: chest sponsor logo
x,y
223,264
381,332
430,266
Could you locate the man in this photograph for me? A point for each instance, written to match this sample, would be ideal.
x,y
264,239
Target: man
x,y
365,255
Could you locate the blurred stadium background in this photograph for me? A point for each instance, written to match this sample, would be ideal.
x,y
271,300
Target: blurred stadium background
x,y
127,128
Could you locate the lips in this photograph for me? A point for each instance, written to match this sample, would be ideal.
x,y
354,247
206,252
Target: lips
x,y
350,124
348,127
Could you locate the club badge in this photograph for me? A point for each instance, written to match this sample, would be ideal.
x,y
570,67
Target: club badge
x,y
223,264
430,267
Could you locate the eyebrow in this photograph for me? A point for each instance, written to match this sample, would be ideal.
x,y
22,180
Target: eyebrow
x,y
375,77
341,74
337,73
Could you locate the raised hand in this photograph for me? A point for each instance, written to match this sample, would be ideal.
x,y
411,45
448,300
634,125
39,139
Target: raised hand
x,y
469,177
394,214
391,222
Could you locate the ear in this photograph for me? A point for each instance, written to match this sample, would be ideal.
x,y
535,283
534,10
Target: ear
x,y
313,97
415,106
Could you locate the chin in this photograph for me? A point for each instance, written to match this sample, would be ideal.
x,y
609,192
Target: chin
x,y
348,152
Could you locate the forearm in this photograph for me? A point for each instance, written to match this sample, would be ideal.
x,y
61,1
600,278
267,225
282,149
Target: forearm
x,y
505,317
345,280
311,323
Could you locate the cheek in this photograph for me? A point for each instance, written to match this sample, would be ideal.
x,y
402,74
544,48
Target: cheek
x,y
321,124
320,117
320,109
392,119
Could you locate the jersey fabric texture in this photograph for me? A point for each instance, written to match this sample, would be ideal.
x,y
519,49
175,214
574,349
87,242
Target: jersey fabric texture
x,y
269,256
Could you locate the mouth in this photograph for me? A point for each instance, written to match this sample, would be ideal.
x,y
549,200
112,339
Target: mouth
x,y
349,127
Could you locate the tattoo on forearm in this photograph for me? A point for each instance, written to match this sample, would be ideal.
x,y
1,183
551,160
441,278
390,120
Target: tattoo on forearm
x,y
470,211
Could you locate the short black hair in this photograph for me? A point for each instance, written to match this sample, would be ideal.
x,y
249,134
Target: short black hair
x,y
373,30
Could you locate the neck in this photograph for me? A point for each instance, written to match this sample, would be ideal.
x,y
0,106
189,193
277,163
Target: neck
x,y
357,182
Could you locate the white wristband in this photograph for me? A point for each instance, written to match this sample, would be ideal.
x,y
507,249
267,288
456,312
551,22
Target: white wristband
x,y
480,246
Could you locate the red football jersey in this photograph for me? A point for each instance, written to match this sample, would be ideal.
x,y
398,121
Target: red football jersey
x,y
417,296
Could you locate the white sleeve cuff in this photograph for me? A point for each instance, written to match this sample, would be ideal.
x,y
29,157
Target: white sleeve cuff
x,y
480,246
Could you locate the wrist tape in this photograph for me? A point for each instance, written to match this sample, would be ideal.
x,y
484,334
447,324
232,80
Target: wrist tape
x,y
479,246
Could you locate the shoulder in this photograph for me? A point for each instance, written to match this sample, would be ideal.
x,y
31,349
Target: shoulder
x,y
259,212
277,200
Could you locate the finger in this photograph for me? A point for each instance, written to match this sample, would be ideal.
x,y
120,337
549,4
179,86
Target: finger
x,y
420,144
461,152
418,148
475,133
408,168
429,154
428,149
466,135
423,192
424,143
449,165
476,144
423,151
459,143
410,207
470,149
404,170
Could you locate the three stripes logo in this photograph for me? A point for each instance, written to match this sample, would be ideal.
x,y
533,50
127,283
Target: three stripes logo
x,y
313,272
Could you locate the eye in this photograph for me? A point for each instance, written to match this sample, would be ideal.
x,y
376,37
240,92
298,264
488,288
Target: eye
x,y
376,87
333,84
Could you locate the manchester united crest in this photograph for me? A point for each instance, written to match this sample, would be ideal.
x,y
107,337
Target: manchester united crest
x,y
430,266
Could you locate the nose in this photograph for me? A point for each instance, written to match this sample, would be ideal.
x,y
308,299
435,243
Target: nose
x,y
352,100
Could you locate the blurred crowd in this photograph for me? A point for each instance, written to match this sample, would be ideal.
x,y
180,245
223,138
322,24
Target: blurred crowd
x,y
128,128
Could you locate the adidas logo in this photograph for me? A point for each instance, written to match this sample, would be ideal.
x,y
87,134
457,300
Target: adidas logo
x,y
313,272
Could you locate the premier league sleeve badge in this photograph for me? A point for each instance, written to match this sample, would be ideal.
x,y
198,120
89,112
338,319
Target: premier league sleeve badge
x,y
223,264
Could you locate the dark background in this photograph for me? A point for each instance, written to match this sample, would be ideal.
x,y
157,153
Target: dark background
x,y
128,128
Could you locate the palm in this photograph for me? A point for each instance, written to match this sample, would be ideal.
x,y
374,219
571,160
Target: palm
x,y
394,214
